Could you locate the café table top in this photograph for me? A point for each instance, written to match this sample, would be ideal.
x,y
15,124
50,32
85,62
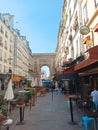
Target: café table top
x,y
70,96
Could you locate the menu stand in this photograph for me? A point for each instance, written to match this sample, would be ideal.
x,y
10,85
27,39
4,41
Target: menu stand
x,y
21,108
72,122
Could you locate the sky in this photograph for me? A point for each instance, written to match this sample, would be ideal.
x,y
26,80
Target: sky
x,y
38,20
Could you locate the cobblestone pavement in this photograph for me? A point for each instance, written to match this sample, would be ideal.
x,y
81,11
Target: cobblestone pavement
x,y
47,114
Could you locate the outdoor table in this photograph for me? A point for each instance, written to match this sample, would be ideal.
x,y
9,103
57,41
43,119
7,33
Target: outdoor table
x,y
21,107
71,109
94,114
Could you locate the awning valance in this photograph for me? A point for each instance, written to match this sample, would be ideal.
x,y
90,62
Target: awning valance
x,y
85,64
63,76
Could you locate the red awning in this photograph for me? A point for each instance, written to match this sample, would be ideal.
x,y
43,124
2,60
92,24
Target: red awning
x,y
96,28
85,63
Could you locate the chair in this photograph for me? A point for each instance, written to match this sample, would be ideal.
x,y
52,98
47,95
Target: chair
x,y
87,121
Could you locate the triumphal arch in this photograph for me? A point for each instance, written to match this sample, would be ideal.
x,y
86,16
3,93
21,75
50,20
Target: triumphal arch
x,y
43,59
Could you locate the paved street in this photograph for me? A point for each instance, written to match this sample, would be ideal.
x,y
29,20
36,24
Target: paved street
x,y
47,114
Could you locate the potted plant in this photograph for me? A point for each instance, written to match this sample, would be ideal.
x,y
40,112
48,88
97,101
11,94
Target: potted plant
x,y
21,99
4,110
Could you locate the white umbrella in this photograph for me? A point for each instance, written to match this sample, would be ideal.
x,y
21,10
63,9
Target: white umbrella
x,y
9,94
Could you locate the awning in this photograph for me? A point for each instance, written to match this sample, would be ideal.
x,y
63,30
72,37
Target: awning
x,y
63,76
16,78
3,76
85,64
96,28
91,62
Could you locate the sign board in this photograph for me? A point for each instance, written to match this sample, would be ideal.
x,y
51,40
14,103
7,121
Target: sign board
x,y
84,30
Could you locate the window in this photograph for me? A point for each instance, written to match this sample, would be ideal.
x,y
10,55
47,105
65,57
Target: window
x,y
6,35
1,29
85,11
10,38
5,45
4,69
5,57
10,49
0,67
0,54
96,3
1,44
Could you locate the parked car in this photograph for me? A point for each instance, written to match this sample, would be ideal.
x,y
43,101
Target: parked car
x,y
48,85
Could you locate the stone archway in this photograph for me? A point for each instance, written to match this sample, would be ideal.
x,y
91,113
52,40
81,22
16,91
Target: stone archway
x,y
44,59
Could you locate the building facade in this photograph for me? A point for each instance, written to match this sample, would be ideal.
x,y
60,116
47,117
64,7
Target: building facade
x,y
77,41
15,53
6,45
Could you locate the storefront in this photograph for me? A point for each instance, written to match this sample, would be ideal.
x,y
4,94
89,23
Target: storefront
x,y
88,72
69,79
17,80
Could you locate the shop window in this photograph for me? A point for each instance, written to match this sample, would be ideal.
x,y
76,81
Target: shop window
x,y
86,80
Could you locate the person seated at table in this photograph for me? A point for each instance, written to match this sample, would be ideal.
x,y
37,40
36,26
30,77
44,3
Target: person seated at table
x,y
94,95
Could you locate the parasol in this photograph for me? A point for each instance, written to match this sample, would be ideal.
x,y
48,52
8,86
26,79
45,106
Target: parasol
x,y
9,94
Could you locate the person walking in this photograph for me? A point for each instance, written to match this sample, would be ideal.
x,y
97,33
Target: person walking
x,y
56,86
94,96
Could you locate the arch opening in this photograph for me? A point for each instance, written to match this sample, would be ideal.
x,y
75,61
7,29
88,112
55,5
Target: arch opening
x,y
45,72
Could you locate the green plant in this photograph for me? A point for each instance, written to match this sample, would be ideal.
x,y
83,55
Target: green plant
x,y
28,83
4,109
21,98
2,101
30,93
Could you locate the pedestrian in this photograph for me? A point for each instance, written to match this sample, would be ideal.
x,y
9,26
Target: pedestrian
x,y
30,103
56,86
94,96
2,86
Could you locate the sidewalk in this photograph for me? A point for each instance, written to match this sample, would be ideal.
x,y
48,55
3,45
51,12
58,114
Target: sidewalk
x,y
47,114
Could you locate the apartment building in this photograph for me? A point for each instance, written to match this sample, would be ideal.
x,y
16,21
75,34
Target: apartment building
x,y
71,43
21,55
14,51
6,44
78,41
